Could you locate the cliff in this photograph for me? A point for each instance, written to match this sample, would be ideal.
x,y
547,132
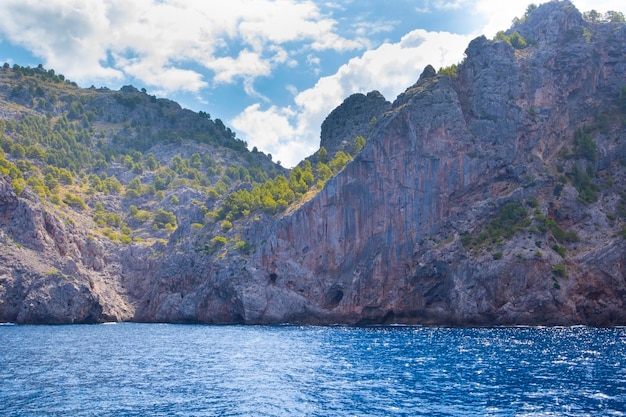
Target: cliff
x,y
463,208
491,195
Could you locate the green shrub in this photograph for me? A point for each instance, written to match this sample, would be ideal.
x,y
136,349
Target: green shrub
x,y
242,246
545,225
226,225
584,146
218,241
109,219
163,218
514,39
560,270
74,201
511,218
450,71
587,189
359,142
532,202
140,216
560,250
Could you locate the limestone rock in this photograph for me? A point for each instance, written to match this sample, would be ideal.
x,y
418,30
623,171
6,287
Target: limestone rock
x,y
356,116
382,242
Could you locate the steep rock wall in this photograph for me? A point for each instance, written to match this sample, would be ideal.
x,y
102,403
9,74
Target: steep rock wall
x,y
447,155
384,240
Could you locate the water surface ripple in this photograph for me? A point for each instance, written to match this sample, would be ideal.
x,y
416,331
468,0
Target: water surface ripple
x,y
185,370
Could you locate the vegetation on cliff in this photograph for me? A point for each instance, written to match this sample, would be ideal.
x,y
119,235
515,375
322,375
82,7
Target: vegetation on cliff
x,y
125,157
490,192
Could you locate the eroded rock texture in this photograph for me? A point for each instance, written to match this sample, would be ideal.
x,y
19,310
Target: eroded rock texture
x,y
384,241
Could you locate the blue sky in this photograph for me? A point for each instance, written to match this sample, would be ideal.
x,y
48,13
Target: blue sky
x,y
272,70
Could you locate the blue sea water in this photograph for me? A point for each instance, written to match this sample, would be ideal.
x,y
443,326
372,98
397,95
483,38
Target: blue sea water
x,y
192,370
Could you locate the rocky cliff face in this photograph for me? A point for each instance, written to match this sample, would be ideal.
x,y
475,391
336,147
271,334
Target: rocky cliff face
x,y
492,197
52,272
417,228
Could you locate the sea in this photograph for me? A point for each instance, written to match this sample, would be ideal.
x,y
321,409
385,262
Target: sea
x,y
197,370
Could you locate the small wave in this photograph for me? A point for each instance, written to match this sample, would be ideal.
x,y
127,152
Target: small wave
x,y
600,396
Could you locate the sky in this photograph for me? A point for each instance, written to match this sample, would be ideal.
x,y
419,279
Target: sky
x,y
272,70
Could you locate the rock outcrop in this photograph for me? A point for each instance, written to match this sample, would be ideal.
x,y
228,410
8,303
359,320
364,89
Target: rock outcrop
x,y
402,234
356,116
52,271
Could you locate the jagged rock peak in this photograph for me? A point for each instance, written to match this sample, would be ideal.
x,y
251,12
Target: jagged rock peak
x,y
354,117
550,22
429,72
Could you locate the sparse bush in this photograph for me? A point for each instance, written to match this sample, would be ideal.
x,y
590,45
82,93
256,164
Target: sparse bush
x,y
218,241
75,201
450,71
163,218
514,39
560,270
584,146
545,225
242,246
560,250
587,189
226,225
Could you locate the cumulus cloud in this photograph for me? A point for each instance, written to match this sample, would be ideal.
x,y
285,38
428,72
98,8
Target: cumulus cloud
x,y
59,34
292,133
270,127
601,6
499,14
151,40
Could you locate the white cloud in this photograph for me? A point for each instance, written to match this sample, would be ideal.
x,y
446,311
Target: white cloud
x,y
60,35
365,28
449,5
152,40
293,90
500,14
292,133
601,6
270,127
247,63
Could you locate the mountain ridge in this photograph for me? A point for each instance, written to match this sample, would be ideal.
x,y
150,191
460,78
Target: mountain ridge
x,y
490,193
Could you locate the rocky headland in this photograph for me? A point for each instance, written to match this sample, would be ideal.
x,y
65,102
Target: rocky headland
x,y
489,194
